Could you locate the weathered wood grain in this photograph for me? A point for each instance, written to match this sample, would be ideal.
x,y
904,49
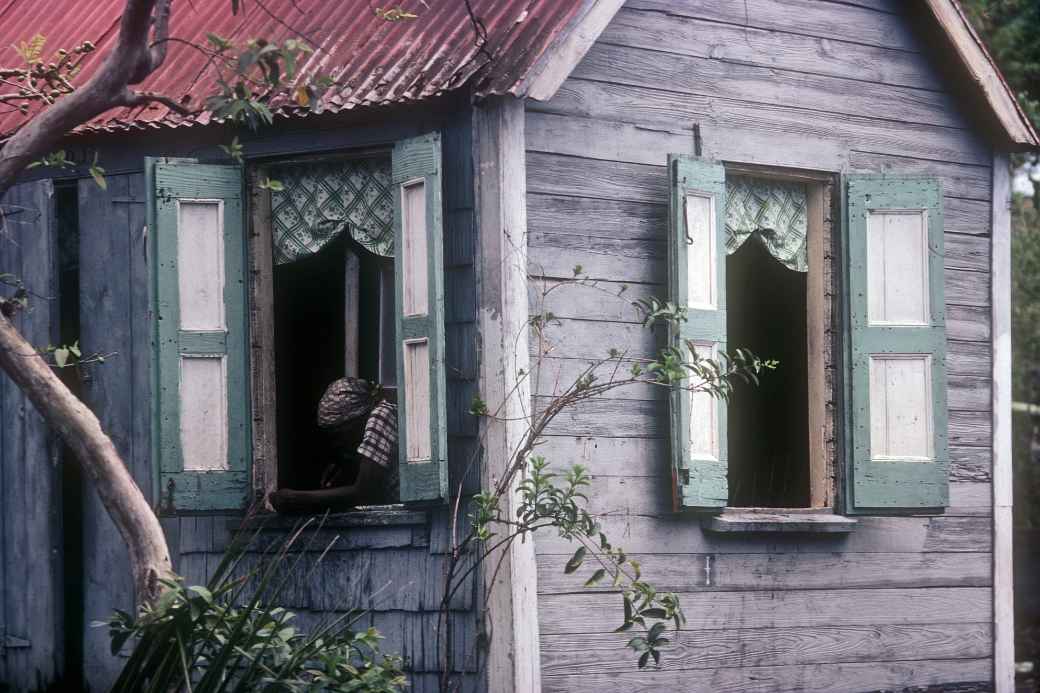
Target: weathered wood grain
x,y
627,495
799,52
589,338
649,457
598,613
613,180
31,589
603,653
814,678
959,180
119,392
659,108
552,376
827,20
670,534
732,572
556,253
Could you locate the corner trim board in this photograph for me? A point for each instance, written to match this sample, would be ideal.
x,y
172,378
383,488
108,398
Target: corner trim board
x,y
1003,579
512,591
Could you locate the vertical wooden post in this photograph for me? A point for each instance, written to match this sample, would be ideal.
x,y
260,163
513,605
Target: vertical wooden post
x,y
820,479
351,307
512,606
1003,577
261,338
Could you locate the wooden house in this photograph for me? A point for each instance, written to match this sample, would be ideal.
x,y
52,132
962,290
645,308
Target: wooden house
x,y
824,181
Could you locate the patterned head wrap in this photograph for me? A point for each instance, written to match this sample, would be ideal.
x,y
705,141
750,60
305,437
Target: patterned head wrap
x,y
345,401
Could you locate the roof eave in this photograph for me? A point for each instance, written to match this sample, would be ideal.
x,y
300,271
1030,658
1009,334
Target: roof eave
x,y
556,64
1018,132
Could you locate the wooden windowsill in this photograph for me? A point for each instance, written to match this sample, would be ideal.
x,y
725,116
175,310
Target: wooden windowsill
x,y
794,520
396,515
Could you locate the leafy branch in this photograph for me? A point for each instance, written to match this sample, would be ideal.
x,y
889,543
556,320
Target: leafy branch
x,y
550,501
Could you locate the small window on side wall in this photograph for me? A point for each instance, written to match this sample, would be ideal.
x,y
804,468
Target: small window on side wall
x,y
751,255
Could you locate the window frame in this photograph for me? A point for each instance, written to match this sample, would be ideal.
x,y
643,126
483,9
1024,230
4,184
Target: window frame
x,y
262,365
824,236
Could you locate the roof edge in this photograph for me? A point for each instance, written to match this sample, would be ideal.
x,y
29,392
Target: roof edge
x,y
983,70
558,61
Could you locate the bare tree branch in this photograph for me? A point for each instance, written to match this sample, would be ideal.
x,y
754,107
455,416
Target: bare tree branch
x,y
129,62
157,50
143,98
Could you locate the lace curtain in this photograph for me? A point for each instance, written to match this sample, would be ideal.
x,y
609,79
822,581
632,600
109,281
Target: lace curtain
x,y
320,200
771,210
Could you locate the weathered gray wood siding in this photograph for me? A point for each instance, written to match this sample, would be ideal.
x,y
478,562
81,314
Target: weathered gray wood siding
x,y
391,566
115,321
832,86
395,569
31,598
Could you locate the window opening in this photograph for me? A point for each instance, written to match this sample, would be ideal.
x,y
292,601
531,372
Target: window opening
x,y
778,271
335,364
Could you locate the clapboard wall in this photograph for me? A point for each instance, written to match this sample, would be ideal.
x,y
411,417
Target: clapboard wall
x,y
390,563
823,85
31,559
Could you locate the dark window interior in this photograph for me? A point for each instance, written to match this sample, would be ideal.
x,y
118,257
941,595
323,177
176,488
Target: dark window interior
x,y
310,314
768,424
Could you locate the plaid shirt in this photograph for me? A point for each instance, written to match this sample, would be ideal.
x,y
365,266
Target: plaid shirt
x,y
380,437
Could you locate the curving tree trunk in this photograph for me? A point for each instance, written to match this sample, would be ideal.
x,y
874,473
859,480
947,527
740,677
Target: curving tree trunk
x,y
140,50
81,431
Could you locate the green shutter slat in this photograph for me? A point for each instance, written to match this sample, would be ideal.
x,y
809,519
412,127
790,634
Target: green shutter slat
x,y
416,159
698,483
885,485
169,182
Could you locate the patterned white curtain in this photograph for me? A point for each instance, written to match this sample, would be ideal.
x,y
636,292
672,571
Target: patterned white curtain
x,y
771,210
320,200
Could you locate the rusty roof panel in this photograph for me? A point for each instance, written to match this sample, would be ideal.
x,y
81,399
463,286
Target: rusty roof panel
x,y
376,61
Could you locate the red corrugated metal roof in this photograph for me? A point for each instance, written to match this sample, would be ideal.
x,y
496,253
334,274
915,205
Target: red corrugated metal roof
x,y
378,62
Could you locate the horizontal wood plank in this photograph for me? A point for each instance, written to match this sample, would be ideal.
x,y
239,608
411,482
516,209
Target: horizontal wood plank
x,y
613,180
640,67
556,253
813,678
832,56
626,495
649,457
570,337
603,653
601,613
719,118
959,180
735,571
826,20
671,534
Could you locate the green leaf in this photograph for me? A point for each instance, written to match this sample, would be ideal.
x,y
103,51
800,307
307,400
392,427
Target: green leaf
x,y
644,659
61,357
219,42
655,631
202,592
576,560
596,577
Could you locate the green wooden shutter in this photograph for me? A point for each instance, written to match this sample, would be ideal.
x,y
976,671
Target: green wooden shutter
x,y
697,279
897,344
419,269
202,403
